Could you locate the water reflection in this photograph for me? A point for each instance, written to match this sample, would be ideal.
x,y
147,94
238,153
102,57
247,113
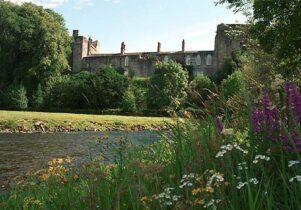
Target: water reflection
x,y
22,154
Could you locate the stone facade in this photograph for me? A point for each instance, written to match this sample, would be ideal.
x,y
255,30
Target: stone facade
x,y
87,56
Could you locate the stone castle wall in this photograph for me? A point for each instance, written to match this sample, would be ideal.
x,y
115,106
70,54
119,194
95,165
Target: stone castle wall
x,y
87,56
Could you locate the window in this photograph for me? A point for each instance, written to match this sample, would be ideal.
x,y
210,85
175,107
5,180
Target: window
x,y
198,60
209,60
166,58
126,61
188,60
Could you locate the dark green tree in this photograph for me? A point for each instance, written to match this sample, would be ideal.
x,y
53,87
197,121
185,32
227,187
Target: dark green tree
x,y
34,45
37,98
15,98
167,86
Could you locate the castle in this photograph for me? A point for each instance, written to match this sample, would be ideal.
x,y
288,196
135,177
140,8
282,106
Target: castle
x,y
86,55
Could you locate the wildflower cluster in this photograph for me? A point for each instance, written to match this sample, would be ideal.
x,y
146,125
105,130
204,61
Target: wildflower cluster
x,y
230,147
206,189
166,198
283,129
250,181
291,163
260,157
31,203
57,168
187,180
295,178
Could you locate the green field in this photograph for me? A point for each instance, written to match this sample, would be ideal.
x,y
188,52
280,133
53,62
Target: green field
x,y
12,121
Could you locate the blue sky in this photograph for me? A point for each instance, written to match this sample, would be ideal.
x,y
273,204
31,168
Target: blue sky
x,y
142,23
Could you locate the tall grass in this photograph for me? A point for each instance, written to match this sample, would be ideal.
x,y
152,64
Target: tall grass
x,y
198,165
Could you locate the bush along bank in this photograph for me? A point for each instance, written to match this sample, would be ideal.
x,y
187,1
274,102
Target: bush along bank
x,y
198,165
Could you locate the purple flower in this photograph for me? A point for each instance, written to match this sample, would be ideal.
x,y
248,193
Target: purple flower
x,y
256,120
219,125
293,101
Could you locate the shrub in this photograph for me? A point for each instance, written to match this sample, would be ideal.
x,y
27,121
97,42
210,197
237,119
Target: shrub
x,y
108,87
232,84
128,101
37,98
56,90
139,87
16,98
167,86
200,89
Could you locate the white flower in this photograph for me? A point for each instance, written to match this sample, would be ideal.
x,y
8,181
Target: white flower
x,y
242,166
292,163
221,153
298,178
254,181
216,177
241,185
168,203
176,197
260,157
210,203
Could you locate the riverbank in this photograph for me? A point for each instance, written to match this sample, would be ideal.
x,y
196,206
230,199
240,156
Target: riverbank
x,y
30,122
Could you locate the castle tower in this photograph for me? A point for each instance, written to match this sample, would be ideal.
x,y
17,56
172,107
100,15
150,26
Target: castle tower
x,y
79,51
226,44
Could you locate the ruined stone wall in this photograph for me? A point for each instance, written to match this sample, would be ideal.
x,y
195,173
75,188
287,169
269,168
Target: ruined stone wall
x,y
86,55
79,51
143,64
226,44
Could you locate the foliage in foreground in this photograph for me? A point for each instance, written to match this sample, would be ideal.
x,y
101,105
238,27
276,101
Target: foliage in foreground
x,y
196,166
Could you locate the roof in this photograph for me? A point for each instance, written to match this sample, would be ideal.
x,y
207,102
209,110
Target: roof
x,y
152,53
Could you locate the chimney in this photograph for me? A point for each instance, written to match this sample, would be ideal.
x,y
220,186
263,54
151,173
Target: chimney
x,y
122,50
159,47
183,46
75,33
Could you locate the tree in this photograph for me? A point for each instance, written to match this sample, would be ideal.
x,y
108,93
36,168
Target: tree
x,y
37,98
167,86
199,90
276,25
16,98
34,45
108,87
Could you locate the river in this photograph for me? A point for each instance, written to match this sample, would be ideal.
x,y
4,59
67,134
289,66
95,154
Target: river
x,y
23,154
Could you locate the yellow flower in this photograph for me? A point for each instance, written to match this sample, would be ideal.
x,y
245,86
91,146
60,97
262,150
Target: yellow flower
x,y
68,160
144,199
101,157
75,177
209,190
59,160
30,202
196,191
44,177
198,201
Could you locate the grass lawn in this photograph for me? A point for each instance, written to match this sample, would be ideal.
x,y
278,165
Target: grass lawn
x,y
27,121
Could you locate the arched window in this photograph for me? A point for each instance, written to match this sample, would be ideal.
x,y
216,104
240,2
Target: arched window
x,y
209,60
126,61
166,58
188,60
198,60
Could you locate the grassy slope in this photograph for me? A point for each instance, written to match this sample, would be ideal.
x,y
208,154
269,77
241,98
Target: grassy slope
x,y
14,120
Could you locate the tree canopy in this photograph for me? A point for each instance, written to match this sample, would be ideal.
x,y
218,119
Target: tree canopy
x,y
276,25
34,45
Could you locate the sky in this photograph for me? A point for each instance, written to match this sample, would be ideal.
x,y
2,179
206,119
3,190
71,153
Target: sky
x,y
143,23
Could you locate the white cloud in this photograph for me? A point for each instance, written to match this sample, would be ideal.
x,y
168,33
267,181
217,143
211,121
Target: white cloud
x,y
113,1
